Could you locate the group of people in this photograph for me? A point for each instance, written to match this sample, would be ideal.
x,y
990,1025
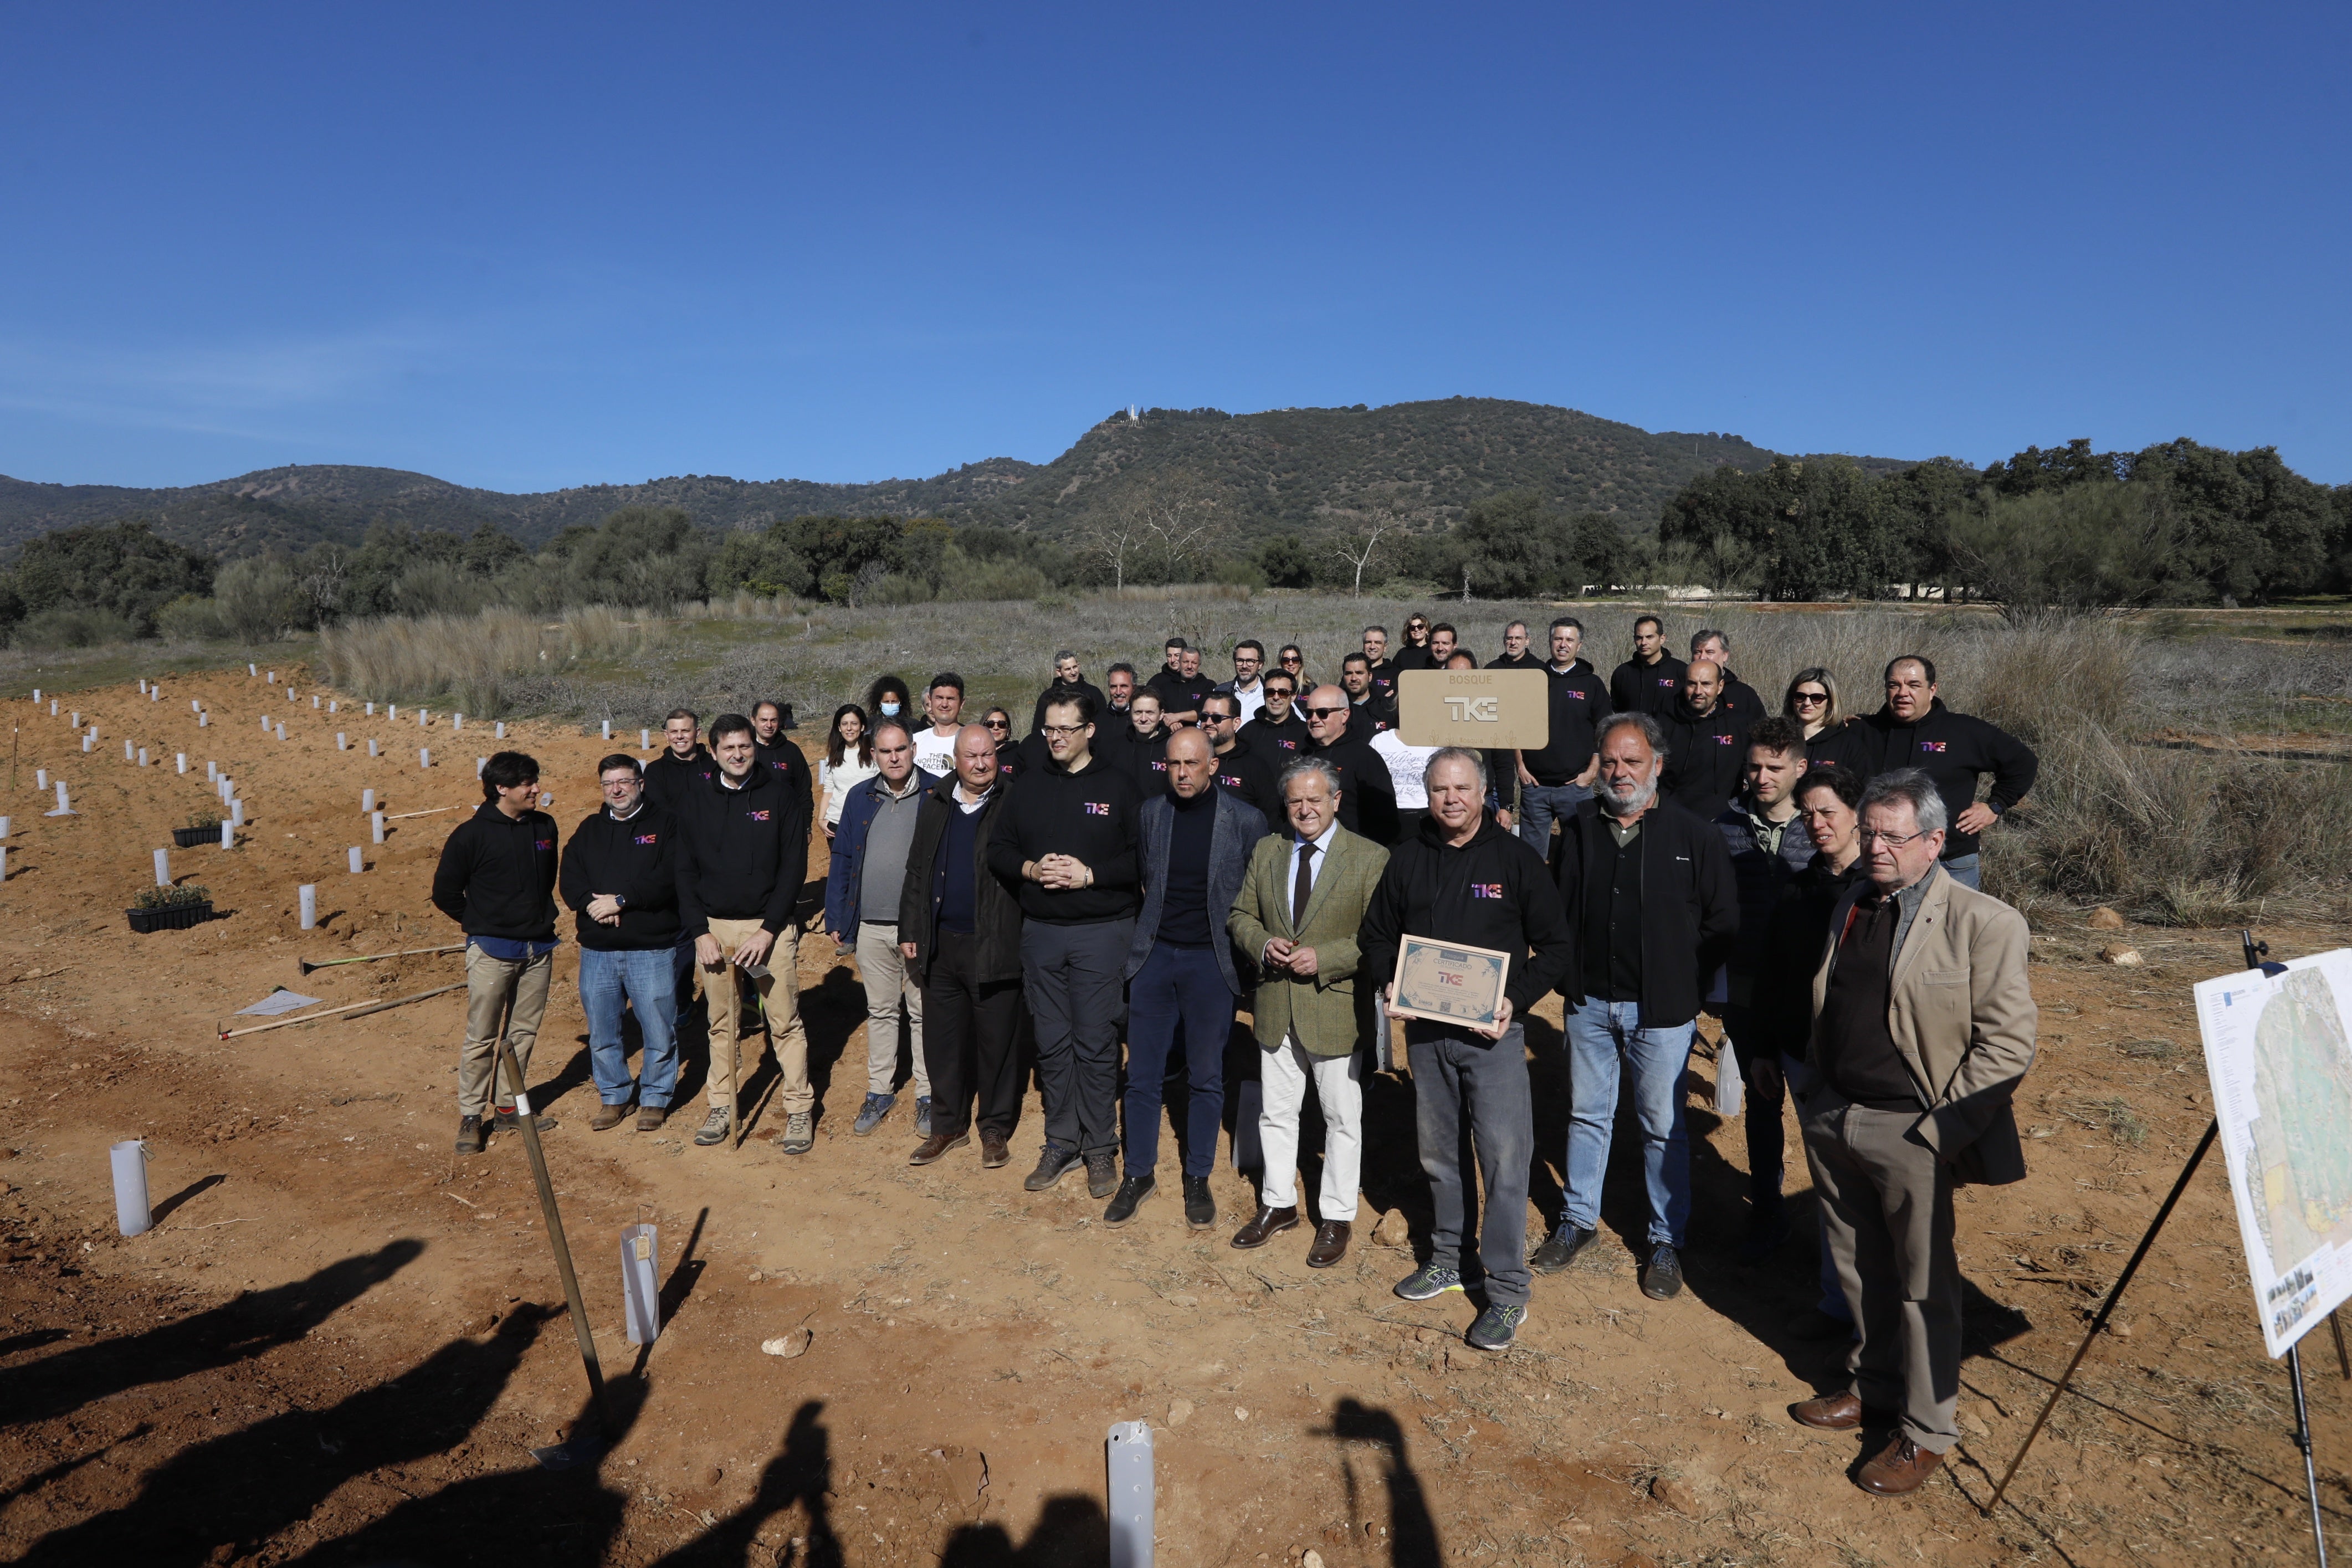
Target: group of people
x,y
1157,854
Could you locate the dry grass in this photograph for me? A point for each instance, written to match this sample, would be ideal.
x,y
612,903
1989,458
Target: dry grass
x,y
475,662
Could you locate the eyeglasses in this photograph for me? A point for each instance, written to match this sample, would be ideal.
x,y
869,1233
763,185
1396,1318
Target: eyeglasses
x,y
1277,691
1870,836
1809,699
998,724
1323,713
1064,729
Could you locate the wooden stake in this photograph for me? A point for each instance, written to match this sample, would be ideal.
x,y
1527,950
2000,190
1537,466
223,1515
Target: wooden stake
x,y
371,957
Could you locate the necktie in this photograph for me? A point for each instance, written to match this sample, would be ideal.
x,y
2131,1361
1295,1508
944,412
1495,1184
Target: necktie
x,y
1301,885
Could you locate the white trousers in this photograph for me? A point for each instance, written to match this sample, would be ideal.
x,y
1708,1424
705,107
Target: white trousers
x,y
1340,1089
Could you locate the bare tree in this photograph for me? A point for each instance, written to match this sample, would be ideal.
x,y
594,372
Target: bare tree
x,y
1178,525
1359,550
1116,538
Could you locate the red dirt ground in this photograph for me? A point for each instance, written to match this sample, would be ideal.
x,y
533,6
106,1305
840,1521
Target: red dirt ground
x,y
340,1339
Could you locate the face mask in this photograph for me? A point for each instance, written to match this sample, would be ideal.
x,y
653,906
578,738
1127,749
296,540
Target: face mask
x,y
889,709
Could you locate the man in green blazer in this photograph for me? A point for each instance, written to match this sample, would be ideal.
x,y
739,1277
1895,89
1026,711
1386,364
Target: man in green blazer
x,y
1297,915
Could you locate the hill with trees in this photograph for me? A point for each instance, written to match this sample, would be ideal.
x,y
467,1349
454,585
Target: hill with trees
x,y
1224,475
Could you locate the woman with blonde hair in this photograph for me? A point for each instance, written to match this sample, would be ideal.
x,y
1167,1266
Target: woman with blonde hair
x,y
1812,700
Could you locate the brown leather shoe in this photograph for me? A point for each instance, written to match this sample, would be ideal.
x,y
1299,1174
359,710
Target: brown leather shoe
x,y
1269,1223
937,1144
1330,1244
995,1150
651,1117
1902,1467
608,1117
1829,1412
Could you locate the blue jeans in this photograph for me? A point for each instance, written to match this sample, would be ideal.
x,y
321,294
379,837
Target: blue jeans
x,y
1967,870
646,979
1540,805
1598,1034
1180,991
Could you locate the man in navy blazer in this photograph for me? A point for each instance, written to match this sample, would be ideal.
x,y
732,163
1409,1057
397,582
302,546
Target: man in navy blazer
x,y
1182,973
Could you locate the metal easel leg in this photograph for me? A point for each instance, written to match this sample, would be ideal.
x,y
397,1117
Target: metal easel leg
x,y
2302,1441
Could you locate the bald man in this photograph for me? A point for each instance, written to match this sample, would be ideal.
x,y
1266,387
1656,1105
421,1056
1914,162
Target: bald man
x,y
1706,745
1367,799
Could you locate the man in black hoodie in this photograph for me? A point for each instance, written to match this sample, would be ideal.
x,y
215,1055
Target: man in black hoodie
x,y
742,856
620,877
684,766
1369,711
1070,680
1278,735
1464,880
777,749
1707,745
1068,840
1553,782
1179,684
1740,698
1914,730
1366,796
1649,889
1516,654
1652,680
497,880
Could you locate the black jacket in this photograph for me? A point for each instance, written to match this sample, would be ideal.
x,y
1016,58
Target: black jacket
x,y
1491,892
497,876
636,860
1277,745
1953,749
1144,761
1410,656
1369,717
1180,693
996,906
1094,815
1707,758
1243,774
1690,905
1527,660
1385,681
1761,879
786,757
743,853
1656,689
1578,703
1800,933
670,778
1057,692
1838,746
1366,796
1741,697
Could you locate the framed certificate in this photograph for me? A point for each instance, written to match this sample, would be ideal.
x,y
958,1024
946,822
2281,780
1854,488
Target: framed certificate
x,y
1447,983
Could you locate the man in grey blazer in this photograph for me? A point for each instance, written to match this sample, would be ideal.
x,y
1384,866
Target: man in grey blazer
x,y
1181,974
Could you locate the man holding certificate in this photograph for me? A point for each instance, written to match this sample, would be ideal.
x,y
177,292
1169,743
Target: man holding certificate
x,y
1467,922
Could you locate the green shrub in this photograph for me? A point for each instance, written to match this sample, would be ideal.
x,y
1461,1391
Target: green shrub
x,y
171,898
65,627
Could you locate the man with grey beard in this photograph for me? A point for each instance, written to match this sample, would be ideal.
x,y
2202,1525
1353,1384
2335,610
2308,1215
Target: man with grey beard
x,y
1649,891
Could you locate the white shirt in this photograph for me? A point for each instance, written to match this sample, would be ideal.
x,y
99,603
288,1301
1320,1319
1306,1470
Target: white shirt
x,y
1405,764
935,752
1315,861
838,780
1249,699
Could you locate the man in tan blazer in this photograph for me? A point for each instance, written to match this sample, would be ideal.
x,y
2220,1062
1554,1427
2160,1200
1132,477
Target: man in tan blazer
x,y
1922,1026
1297,915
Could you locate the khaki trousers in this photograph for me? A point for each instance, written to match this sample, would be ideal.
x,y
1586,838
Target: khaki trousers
x,y
882,968
722,994
492,985
1886,1212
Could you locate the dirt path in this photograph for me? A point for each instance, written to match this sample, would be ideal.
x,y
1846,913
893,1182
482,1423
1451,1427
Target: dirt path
x,y
340,1339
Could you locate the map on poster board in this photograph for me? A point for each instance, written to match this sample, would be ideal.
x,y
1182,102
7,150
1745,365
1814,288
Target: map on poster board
x,y
2279,1050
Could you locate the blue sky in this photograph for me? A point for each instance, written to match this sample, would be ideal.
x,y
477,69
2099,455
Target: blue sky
x,y
532,247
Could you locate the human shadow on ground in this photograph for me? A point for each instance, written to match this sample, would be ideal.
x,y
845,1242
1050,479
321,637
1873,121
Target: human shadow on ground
x,y
1413,1529
227,1496
802,1473
1071,1531
235,1330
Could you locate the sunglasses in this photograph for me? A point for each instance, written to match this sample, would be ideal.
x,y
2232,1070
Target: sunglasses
x,y
1323,713
997,724
1809,697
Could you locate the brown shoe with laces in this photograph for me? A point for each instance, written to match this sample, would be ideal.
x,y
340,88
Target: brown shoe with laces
x,y
937,1144
1840,1412
1330,1244
1901,1467
608,1117
995,1150
1267,1224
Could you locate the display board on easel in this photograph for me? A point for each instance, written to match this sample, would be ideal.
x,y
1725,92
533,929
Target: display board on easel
x,y
2278,1049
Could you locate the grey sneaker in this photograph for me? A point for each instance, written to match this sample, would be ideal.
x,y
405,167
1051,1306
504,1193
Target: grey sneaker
x,y
799,1135
1496,1327
1429,1282
922,1116
713,1129
870,1114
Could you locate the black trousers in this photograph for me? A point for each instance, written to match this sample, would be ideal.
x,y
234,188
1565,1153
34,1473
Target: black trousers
x,y
970,1042
1759,1071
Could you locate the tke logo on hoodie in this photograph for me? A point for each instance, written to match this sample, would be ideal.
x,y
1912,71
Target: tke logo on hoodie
x,y
1230,781
1934,745
1665,681
756,816
647,837
1097,808
543,845
1721,740
1486,890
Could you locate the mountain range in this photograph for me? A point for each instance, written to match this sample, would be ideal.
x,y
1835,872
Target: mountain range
x,y
1283,469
